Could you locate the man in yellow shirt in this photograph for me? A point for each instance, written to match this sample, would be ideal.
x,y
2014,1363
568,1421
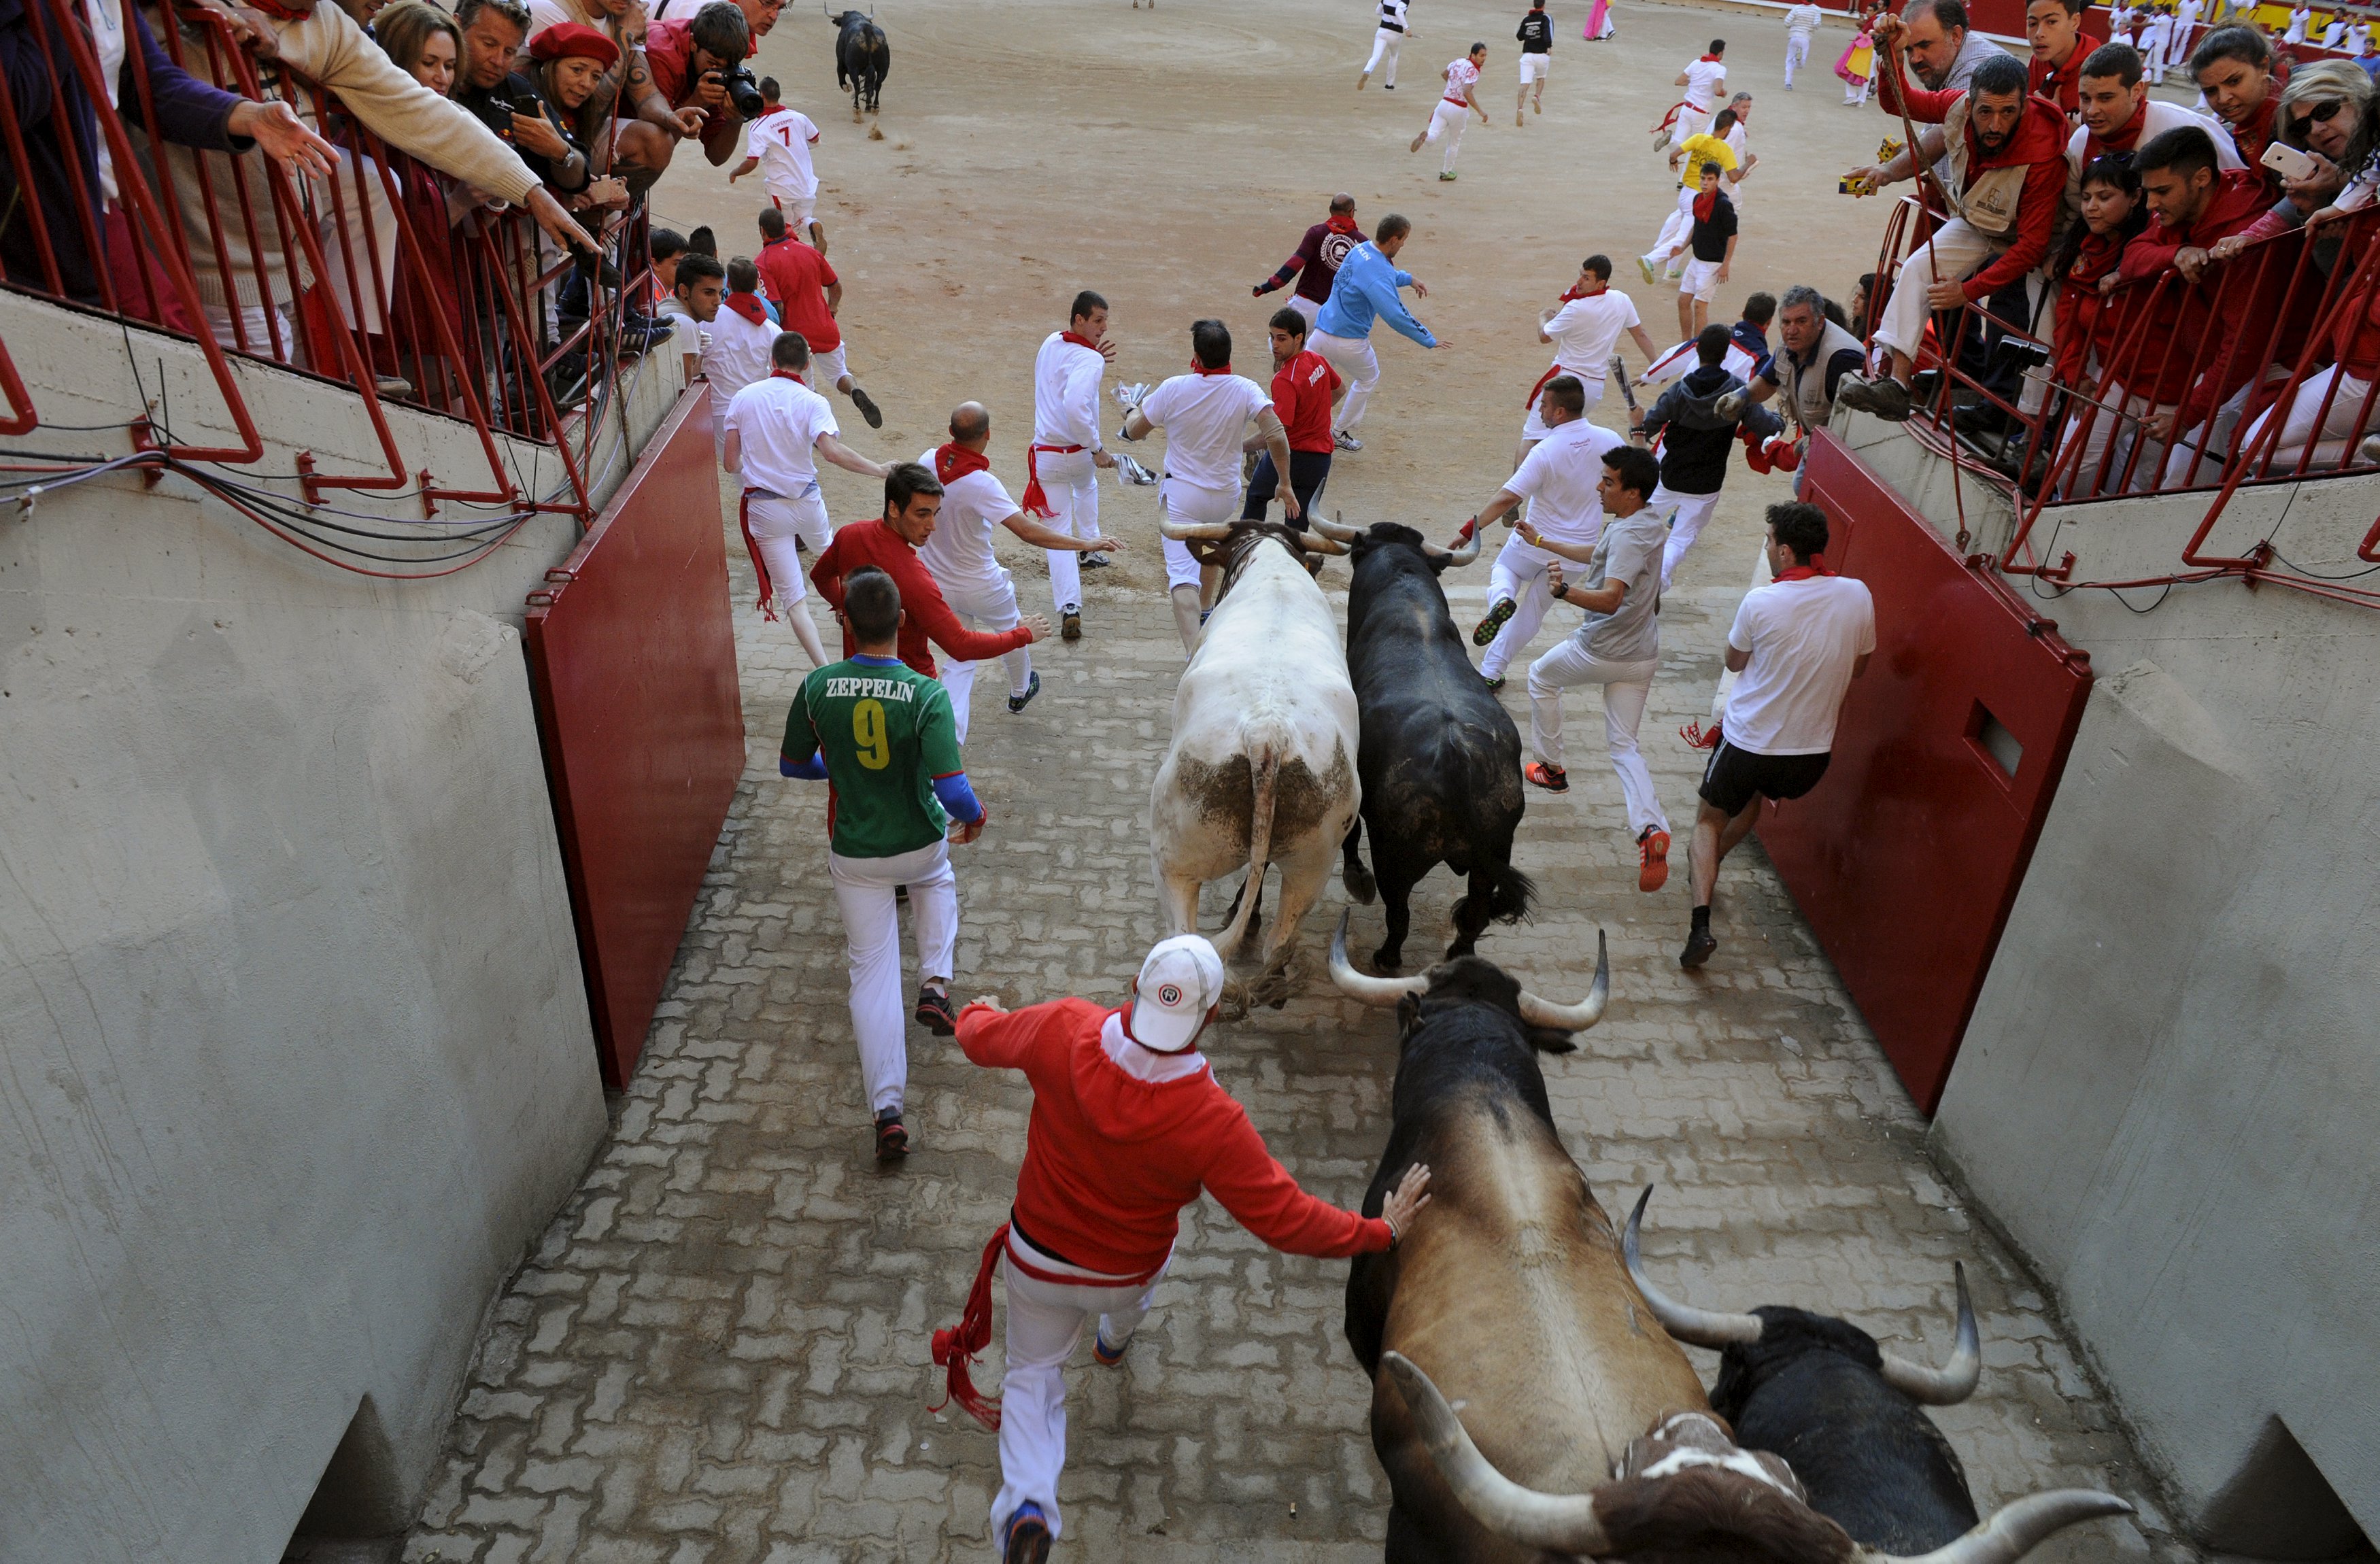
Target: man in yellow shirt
x,y
1665,259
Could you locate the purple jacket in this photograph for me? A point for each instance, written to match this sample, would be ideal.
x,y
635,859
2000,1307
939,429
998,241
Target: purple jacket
x,y
189,112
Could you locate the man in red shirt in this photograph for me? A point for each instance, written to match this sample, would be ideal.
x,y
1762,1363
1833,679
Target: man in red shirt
x,y
809,293
1305,391
912,500
2006,151
1129,1124
2053,29
686,60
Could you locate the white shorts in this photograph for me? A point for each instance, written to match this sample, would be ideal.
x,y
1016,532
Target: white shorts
x,y
1188,502
797,208
1701,281
1534,67
1534,425
827,369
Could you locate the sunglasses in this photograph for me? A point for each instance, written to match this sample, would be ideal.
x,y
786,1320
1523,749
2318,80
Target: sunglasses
x,y
2319,115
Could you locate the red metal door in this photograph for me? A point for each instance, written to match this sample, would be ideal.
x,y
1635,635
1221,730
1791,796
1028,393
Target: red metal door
x,y
632,654
1907,857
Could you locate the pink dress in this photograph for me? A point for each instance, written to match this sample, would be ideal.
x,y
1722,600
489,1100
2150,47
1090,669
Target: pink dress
x,y
1598,22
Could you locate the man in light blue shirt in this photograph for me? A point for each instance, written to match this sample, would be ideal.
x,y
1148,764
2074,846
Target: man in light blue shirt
x,y
1366,290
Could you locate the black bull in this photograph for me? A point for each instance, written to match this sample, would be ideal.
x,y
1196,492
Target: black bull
x,y
1439,758
862,58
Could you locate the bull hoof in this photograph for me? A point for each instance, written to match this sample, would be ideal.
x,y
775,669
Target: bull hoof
x,y
1360,884
1272,990
1235,1003
1388,959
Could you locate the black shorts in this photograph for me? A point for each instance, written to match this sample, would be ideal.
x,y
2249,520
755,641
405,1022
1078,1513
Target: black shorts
x,y
1735,776
1308,470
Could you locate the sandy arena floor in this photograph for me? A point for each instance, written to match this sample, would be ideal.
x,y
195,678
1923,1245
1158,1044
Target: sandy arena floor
x,y
719,1351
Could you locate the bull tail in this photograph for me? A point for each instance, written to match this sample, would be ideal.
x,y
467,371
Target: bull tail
x,y
1510,893
1264,771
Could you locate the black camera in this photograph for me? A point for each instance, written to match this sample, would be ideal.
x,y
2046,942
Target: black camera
x,y
743,92
496,110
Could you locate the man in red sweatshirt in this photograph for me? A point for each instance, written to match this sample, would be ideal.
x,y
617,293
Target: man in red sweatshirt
x,y
1315,264
2006,151
1129,1124
913,499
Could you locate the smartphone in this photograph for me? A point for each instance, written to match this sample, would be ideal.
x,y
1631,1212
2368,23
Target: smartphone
x,y
2289,162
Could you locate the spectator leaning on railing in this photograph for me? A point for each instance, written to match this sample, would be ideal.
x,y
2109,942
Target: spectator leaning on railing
x,y
324,43
2007,154
2233,67
2325,112
188,112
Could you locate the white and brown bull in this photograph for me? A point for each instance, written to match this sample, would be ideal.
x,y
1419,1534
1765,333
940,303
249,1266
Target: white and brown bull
x,y
1509,1296
1262,767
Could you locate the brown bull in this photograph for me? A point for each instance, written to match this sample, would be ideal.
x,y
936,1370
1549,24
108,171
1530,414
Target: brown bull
x,y
1510,1292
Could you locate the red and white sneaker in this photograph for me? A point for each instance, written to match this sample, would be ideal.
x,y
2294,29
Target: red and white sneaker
x,y
1553,779
1652,859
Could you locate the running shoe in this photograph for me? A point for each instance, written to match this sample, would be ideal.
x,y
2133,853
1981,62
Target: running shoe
x,y
892,1140
1346,441
1108,1357
1700,943
1447,176
1028,1536
1553,779
934,1013
1517,118
1132,472
1884,396
1645,266
1538,105
1069,626
1497,683
1032,689
867,409
1096,562
1388,86
1363,82
1652,859
1496,618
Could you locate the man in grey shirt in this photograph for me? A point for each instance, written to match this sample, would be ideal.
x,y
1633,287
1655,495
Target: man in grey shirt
x,y
1619,647
1943,52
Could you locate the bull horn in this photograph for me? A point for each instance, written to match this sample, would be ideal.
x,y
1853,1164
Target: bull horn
x,y
1318,543
1456,558
1955,1380
1381,991
1563,1524
1337,532
1696,1328
2015,1531
1582,1016
1193,532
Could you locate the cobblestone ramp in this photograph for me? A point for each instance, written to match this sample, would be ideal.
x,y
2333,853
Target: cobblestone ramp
x,y
718,1354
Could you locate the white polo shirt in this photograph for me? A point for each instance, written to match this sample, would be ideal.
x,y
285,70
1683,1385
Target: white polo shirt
x,y
1561,474
1587,330
781,139
1803,637
735,354
778,421
973,506
1703,78
1204,418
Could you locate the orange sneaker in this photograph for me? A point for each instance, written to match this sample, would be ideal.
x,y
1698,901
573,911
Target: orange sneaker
x,y
1652,859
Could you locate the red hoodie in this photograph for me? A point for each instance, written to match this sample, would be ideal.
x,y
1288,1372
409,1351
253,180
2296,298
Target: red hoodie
x,y
1111,1161
2038,143
2084,326
2187,353
931,619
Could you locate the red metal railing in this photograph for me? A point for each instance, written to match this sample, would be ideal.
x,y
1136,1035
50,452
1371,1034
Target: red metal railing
x,y
2170,410
364,278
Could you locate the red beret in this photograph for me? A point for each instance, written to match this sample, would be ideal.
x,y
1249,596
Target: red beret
x,y
567,39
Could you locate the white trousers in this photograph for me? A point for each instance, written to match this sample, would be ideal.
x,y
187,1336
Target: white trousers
x,y
1306,308
1446,123
1358,365
777,520
1386,46
1519,574
871,927
258,324
1045,1325
1953,251
1669,250
1687,515
2333,433
1797,53
983,606
1071,479
1190,503
1626,685
357,237
2108,429
2191,462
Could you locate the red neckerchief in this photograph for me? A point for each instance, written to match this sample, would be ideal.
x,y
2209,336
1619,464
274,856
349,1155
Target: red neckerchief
x,y
1705,204
1339,224
787,374
2126,137
1198,369
1571,294
1708,60
1078,341
1814,567
747,305
954,462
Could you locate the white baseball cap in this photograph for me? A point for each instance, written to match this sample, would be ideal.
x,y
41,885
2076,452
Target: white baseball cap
x,y
1178,984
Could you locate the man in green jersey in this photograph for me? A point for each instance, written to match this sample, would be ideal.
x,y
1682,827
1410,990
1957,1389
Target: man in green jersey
x,y
881,734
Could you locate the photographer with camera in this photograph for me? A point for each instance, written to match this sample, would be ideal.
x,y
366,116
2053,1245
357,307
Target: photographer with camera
x,y
699,64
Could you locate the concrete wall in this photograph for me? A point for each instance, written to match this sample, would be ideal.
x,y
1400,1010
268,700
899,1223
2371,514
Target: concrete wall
x,y
2166,1092
296,1056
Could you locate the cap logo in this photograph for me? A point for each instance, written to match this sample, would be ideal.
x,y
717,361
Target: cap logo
x,y
1169,995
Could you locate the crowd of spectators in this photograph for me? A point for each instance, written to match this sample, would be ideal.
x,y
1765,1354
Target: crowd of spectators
x,y
563,110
